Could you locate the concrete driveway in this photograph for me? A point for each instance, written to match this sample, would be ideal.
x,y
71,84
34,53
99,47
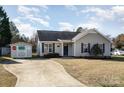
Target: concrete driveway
x,y
41,73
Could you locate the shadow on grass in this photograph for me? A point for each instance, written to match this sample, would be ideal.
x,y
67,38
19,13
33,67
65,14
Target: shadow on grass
x,y
113,58
116,58
8,61
38,58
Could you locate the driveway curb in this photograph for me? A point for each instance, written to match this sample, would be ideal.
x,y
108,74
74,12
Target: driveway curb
x,y
5,66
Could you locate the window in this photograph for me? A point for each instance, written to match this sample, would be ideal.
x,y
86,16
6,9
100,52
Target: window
x,y
102,47
21,47
45,48
85,47
48,48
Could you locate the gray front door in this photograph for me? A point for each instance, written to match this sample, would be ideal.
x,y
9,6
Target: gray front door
x,y
65,50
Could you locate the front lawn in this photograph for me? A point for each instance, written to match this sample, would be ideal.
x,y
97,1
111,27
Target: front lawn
x,y
92,72
6,79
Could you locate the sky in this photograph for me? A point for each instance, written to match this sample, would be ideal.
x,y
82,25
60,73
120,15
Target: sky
x,y
109,20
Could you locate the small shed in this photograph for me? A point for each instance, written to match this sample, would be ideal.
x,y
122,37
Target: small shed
x,y
21,50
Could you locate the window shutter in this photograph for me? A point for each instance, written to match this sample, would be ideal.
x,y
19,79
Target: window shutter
x,y
53,47
82,47
103,48
89,47
42,47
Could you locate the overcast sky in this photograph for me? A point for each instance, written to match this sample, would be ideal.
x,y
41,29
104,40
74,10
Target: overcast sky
x,y
108,20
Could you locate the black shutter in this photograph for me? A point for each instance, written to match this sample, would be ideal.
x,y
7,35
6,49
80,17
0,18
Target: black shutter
x,y
82,47
42,47
53,47
103,48
89,47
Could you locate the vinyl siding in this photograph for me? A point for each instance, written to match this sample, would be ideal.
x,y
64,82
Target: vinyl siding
x,y
92,38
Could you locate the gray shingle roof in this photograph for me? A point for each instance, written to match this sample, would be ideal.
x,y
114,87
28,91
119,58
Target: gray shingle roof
x,y
46,35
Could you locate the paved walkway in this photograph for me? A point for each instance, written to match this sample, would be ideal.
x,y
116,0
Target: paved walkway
x,y
41,73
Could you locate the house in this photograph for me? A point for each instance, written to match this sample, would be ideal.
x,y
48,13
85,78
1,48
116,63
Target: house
x,y
71,43
21,50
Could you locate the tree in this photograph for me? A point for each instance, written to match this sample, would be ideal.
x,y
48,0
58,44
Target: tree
x,y
16,36
80,29
119,41
14,32
33,41
5,34
95,50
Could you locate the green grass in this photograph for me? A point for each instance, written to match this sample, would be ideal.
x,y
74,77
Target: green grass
x,y
118,58
96,72
6,79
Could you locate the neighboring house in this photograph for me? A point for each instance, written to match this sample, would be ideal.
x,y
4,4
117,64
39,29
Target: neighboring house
x,y
21,50
71,43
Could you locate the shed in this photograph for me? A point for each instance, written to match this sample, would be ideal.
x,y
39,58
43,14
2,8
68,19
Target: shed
x,y
21,50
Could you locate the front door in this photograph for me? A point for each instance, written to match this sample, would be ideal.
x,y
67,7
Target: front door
x,y
66,50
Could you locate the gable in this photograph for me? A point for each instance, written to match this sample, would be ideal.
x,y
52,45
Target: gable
x,y
84,33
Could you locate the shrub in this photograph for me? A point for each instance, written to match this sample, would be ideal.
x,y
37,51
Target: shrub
x,y
51,55
96,51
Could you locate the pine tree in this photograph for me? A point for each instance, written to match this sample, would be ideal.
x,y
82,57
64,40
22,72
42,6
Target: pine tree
x,y
15,33
5,34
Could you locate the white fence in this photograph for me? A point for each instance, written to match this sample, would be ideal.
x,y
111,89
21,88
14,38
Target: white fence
x,y
5,51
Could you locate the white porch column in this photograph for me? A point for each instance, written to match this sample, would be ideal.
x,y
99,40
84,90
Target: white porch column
x,y
74,49
40,48
62,49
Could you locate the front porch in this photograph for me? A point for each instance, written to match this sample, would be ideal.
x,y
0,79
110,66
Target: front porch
x,y
62,47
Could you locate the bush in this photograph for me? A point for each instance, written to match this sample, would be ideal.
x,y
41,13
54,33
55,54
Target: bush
x,y
51,55
95,50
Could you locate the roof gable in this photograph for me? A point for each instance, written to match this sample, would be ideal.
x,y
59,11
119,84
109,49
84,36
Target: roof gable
x,y
45,35
84,33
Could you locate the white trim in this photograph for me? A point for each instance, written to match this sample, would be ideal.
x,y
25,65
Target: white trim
x,y
49,41
103,36
20,43
65,41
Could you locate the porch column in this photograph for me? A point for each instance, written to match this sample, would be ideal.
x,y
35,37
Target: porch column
x,y
74,49
40,48
62,49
